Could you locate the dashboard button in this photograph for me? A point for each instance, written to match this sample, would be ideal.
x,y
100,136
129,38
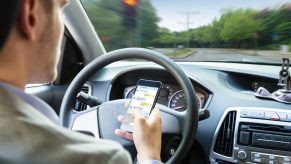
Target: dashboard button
x,y
259,160
253,114
244,138
243,114
268,115
283,116
272,157
280,159
264,156
272,162
255,154
242,155
256,114
275,117
286,159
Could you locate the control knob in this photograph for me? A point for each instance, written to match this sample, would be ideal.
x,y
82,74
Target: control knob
x,y
242,155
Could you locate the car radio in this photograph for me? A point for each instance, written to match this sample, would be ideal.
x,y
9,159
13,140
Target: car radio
x,y
253,135
265,136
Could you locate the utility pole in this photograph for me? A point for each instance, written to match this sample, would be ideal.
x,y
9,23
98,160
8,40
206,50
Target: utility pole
x,y
188,13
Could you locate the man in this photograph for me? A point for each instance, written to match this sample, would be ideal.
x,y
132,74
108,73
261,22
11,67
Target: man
x,y
30,37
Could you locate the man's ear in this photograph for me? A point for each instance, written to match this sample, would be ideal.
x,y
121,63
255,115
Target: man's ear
x,y
28,18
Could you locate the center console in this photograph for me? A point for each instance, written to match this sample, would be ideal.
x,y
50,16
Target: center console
x,y
253,135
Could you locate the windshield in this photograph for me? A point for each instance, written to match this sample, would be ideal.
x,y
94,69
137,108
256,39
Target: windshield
x,y
190,30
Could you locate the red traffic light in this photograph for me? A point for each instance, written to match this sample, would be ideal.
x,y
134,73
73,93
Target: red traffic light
x,y
131,3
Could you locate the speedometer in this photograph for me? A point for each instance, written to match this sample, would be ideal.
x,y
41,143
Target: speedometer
x,y
129,92
178,101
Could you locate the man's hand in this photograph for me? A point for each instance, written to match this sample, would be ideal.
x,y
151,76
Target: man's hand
x,y
146,135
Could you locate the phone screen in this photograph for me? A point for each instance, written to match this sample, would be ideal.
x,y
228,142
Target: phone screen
x,y
144,100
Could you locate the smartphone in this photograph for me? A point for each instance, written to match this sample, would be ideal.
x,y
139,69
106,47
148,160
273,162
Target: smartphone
x,y
143,99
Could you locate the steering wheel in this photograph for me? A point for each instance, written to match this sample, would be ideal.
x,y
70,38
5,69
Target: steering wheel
x,y
101,120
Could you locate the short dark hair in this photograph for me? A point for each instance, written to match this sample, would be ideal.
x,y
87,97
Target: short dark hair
x,y
8,13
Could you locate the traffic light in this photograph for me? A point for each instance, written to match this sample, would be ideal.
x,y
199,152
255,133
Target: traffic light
x,y
130,13
131,3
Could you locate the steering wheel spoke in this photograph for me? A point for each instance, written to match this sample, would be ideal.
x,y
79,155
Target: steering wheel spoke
x,y
86,122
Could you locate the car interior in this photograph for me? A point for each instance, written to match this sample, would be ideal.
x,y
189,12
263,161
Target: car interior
x,y
212,112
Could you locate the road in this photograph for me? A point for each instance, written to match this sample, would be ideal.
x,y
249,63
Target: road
x,y
209,54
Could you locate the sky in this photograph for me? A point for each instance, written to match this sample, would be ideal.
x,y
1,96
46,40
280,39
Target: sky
x,y
173,17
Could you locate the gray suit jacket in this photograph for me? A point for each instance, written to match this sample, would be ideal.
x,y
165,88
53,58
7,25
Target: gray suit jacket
x,y
26,136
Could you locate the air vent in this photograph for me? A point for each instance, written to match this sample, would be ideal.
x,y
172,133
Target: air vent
x,y
79,105
224,140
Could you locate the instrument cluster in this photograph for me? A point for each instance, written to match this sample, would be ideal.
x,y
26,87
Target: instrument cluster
x,y
172,96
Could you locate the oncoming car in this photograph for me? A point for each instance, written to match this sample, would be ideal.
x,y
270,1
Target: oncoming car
x,y
224,66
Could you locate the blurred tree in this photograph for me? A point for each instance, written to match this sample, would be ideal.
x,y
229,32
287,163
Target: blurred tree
x,y
216,27
165,37
148,23
106,17
234,28
240,25
272,19
283,31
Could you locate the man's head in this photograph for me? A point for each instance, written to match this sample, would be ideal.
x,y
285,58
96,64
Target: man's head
x,y
33,42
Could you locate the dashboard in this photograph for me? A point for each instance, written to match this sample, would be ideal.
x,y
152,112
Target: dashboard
x,y
226,90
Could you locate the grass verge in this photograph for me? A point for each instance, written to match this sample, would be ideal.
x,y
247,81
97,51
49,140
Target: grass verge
x,y
180,53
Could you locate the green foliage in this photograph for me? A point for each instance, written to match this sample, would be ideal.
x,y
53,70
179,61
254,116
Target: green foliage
x,y
166,38
205,34
283,30
240,25
245,28
271,19
235,28
103,17
148,23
